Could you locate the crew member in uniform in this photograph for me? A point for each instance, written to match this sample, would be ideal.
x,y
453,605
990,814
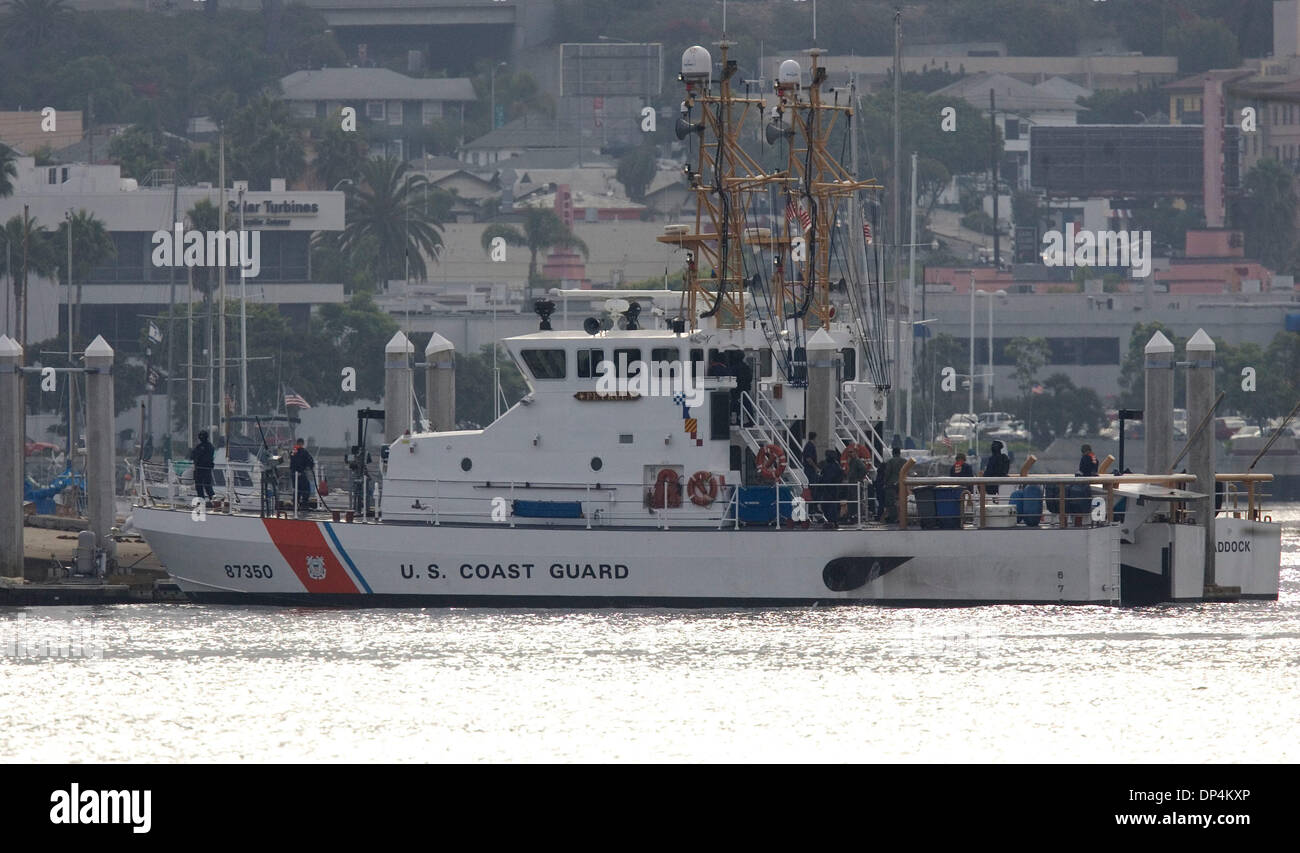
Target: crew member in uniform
x,y
997,465
202,456
300,462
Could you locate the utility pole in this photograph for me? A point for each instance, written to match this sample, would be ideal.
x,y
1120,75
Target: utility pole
x,y
72,381
22,295
993,157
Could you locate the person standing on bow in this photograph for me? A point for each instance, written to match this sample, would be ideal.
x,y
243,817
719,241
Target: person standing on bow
x,y
961,468
1087,462
300,462
997,465
202,456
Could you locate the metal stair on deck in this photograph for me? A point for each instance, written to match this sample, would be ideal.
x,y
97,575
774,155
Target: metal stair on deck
x,y
853,427
760,425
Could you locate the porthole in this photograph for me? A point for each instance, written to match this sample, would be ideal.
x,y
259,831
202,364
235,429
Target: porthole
x,y
596,464
466,464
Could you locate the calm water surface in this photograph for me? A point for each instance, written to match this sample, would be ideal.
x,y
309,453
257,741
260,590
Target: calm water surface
x,y
158,682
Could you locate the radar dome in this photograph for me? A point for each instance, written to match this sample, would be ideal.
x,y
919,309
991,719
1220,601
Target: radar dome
x,y
788,74
696,64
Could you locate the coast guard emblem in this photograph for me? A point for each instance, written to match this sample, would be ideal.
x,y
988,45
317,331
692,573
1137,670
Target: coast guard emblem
x,y
316,568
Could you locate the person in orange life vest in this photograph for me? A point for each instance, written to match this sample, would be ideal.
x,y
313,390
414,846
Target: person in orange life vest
x,y
1087,462
961,469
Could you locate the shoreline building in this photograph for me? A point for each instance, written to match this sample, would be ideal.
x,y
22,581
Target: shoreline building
x,y
118,293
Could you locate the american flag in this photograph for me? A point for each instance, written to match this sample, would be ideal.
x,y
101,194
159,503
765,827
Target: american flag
x,y
794,210
866,231
292,398
947,442
1037,389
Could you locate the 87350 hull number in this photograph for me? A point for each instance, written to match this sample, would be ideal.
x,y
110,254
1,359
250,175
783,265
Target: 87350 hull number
x,y
234,570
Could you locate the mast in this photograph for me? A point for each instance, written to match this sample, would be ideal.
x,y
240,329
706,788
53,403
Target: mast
x,y
910,352
895,215
722,174
171,321
220,395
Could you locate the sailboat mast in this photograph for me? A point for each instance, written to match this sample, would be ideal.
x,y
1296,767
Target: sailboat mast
x,y
897,217
171,320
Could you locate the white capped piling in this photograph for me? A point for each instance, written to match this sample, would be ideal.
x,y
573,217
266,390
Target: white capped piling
x,y
1158,412
1200,455
11,458
99,441
397,387
820,400
440,383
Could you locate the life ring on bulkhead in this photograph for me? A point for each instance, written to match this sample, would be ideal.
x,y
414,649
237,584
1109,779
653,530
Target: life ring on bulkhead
x,y
702,488
770,462
667,490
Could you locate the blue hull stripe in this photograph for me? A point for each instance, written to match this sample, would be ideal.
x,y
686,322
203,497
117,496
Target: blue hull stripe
x,y
344,554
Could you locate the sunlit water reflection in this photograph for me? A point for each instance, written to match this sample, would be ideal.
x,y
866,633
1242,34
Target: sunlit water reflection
x,y
187,683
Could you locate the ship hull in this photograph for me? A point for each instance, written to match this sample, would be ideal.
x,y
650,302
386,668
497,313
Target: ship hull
x,y
244,559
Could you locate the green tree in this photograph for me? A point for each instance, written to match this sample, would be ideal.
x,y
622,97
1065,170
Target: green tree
x,y
1132,372
137,152
961,151
32,24
475,388
542,230
1201,45
339,153
1029,355
265,143
8,170
1267,214
41,257
636,169
91,246
1116,106
389,206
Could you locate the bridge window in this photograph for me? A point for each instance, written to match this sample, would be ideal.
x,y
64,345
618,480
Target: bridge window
x,y
849,356
623,359
664,354
589,363
545,363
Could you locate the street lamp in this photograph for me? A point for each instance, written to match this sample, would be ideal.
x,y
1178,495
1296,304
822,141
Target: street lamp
x,y
492,77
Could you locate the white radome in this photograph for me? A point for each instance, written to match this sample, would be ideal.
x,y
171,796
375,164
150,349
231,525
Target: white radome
x,y
697,64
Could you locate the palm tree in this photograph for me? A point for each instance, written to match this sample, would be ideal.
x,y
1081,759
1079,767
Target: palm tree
x,y
388,205
8,170
91,246
41,260
542,230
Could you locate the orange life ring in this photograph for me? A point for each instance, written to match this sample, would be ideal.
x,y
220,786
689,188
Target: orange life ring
x,y
667,490
702,488
771,462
